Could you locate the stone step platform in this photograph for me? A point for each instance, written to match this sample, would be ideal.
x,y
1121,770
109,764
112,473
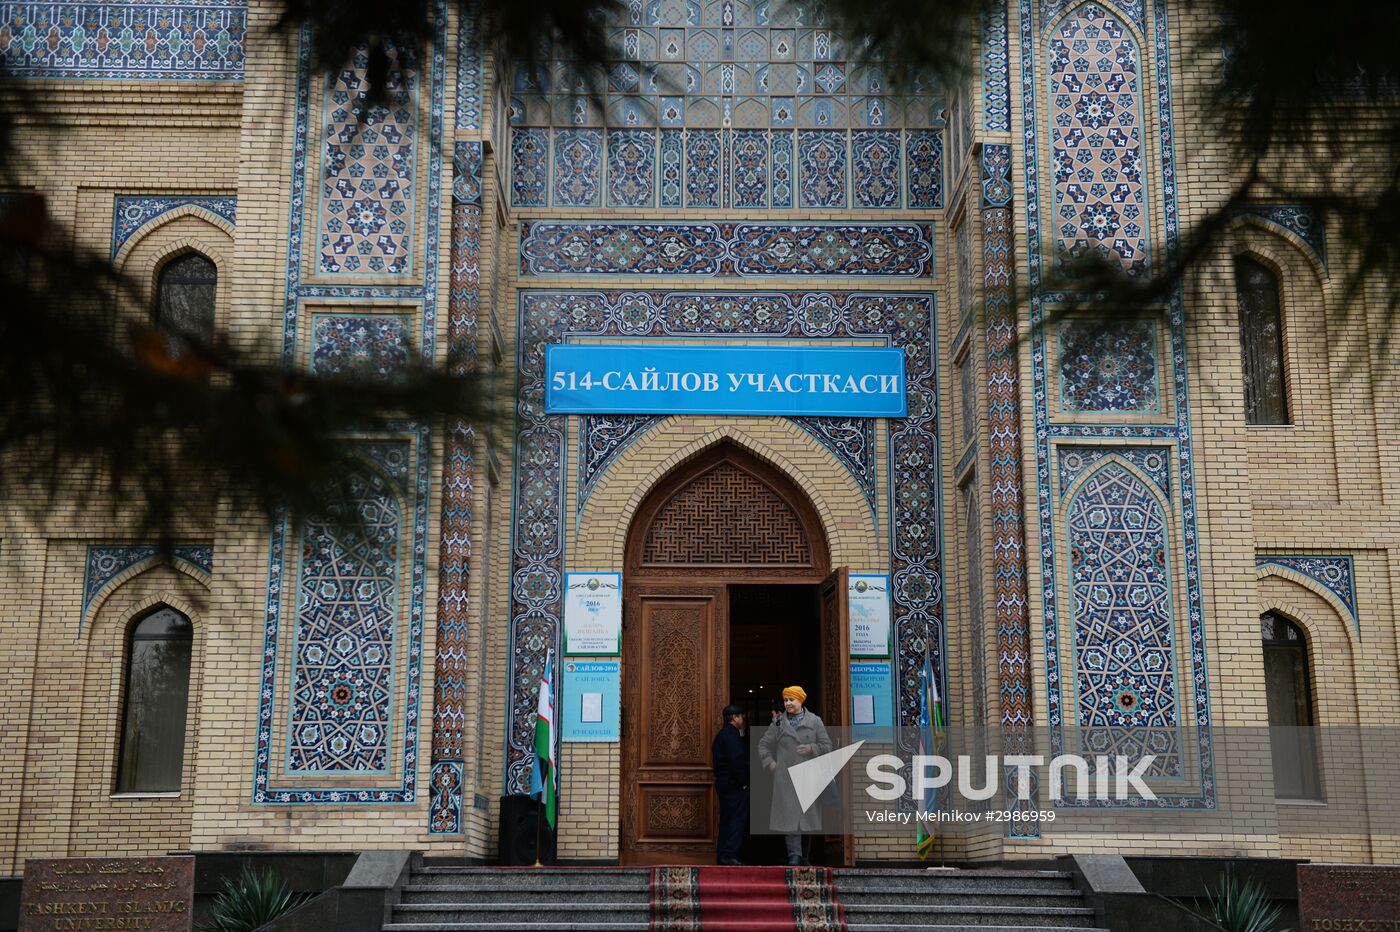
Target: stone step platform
x,y
446,897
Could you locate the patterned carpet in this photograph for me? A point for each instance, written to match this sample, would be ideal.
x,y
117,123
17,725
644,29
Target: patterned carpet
x,y
744,899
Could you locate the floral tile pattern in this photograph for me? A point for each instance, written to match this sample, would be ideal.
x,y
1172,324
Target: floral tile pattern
x,y
170,41
561,247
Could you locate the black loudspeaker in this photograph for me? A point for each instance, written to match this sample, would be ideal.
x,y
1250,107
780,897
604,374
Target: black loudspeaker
x,y
522,822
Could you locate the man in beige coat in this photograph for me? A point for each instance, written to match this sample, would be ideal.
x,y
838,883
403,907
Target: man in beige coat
x,y
798,735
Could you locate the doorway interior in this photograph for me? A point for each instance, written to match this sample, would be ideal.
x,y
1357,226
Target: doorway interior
x,y
774,642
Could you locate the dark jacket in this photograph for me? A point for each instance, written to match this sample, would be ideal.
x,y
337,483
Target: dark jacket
x,y
730,755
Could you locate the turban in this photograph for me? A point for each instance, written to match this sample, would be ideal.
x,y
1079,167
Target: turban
x,y
795,692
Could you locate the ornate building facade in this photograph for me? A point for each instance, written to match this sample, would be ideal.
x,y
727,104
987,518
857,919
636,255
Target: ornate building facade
x,y
1082,520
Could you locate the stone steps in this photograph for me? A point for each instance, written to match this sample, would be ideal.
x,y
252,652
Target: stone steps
x,y
454,898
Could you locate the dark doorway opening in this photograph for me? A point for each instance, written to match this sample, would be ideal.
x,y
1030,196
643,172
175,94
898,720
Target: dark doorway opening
x,y
774,642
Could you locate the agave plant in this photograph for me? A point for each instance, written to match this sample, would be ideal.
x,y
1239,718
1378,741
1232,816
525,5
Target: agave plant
x,y
250,901
1242,907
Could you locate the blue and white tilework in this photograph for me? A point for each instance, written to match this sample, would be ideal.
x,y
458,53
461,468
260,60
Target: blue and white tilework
x,y
750,170
632,168
1108,366
1300,220
1152,462
746,169
821,168
782,160
529,177
578,167
1096,140
546,317
1332,572
875,168
368,191
201,40
131,212
105,562
347,624
564,247
672,173
1079,69
925,169
376,345
470,65
353,756
1123,620
704,151
996,68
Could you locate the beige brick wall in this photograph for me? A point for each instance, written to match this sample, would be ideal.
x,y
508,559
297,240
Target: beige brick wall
x,y
1327,483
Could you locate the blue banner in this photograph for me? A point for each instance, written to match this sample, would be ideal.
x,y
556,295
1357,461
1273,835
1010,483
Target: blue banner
x,y
808,381
591,692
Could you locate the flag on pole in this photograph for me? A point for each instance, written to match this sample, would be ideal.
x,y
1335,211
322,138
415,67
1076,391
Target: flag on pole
x,y
544,779
930,737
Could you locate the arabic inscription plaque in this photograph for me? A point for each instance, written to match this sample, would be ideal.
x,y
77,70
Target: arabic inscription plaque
x,y
79,894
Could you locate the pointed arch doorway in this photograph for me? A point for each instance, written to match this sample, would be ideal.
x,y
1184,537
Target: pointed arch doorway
x,y
728,583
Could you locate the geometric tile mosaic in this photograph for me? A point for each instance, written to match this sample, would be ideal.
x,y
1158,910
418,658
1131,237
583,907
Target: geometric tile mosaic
x,y
397,783
1096,140
562,247
355,620
367,191
346,628
1079,69
195,40
603,437
742,166
1004,496
1121,595
1108,365
361,344
452,644
106,562
133,211
740,64
538,560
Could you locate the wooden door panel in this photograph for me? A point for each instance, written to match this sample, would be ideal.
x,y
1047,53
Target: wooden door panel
x,y
836,686
675,673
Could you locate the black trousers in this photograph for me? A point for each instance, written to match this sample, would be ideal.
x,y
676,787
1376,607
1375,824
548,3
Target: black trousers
x,y
733,823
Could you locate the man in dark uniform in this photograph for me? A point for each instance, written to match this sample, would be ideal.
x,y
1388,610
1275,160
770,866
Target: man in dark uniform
x,y
730,754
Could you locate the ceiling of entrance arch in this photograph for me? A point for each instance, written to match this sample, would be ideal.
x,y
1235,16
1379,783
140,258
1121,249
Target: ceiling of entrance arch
x,y
742,64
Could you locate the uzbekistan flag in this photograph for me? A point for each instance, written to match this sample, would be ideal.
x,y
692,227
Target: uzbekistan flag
x,y
930,733
544,780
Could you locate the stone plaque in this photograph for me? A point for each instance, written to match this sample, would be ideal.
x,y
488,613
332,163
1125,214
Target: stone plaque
x,y
66,894
1348,898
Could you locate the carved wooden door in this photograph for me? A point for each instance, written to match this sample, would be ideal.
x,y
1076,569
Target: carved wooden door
x,y
675,674
836,691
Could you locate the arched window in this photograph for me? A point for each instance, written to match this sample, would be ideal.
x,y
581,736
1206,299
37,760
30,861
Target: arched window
x,y
1261,343
157,698
185,299
1289,695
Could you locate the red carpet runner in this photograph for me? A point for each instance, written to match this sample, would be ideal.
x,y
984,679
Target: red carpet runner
x,y
744,899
